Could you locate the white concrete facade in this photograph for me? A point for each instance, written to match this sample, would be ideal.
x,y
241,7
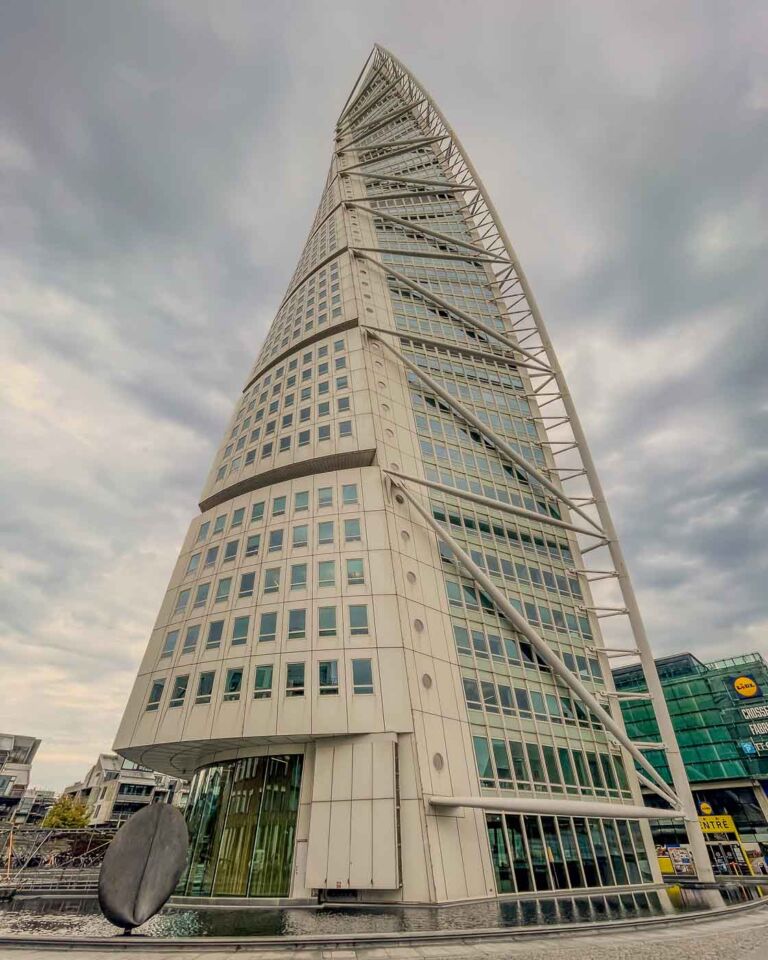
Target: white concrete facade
x,y
303,570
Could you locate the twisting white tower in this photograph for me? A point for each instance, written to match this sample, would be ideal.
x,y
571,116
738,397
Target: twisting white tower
x,y
379,655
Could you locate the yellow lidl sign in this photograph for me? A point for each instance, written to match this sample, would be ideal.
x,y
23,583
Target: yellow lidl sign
x,y
705,808
719,824
745,687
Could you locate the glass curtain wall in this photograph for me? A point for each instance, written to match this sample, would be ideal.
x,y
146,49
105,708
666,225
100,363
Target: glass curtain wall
x,y
242,827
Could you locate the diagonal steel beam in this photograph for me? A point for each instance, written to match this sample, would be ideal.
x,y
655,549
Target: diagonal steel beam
x,y
546,653
418,142
501,445
394,178
382,122
392,155
353,115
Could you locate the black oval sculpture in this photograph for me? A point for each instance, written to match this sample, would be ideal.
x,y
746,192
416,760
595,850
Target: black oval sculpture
x,y
142,865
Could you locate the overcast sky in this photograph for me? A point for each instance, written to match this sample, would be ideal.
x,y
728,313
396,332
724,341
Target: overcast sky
x,y
159,168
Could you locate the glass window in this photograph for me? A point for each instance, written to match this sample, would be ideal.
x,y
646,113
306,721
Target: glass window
x,y
237,517
358,620
202,533
278,506
210,556
218,525
325,532
301,500
194,563
182,601
215,632
262,687
170,643
275,541
352,531
300,535
483,758
355,572
303,438
205,687
201,594
257,511
155,694
268,626
272,580
349,493
326,573
179,690
297,624
240,629
247,581
325,497
252,545
190,638
327,621
298,576
362,676
324,432
230,551
328,677
345,428
294,680
233,683
222,591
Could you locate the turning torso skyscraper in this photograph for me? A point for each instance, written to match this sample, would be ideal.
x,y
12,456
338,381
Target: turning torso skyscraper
x,y
379,658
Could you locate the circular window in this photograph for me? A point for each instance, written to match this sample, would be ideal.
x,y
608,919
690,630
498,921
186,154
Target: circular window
x,y
437,761
426,680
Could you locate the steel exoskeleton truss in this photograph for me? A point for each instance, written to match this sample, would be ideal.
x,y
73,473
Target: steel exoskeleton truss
x,y
570,476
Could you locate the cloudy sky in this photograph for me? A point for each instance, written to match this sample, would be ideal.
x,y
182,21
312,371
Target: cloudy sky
x,y
159,167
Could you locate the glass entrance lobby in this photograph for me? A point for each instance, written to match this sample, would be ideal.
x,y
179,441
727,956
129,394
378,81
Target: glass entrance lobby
x,y
242,827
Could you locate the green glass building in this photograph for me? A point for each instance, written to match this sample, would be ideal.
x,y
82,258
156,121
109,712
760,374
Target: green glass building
x,y
720,714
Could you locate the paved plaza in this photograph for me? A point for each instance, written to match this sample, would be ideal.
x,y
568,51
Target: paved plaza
x,y
743,935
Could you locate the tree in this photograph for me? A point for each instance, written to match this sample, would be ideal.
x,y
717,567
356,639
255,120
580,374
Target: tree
x,y
67,812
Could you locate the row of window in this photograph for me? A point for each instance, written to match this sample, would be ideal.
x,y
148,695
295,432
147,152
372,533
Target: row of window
x,y
303,439
326,577
295,683
515,764
296,628
524,702
325,499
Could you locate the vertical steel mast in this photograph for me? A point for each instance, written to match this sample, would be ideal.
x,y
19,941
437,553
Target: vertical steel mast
x,y
571,474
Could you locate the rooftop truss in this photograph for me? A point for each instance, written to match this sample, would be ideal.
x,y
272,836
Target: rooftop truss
x,y
571,474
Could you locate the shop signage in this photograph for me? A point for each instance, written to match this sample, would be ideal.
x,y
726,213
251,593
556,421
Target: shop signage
x,y
719,824
745,687
755,713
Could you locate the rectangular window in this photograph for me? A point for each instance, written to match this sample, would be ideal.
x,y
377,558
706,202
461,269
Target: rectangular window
x,y
324,408
342,383
352,531
179,690
233,683
205,687
155,694
275,541
303,438
362,676
222,591
268,627
358,620
218,526
294,680
262,685
257,512
182,601
349,494
230,551
240,630
298,576
300,535
343,404
202,533
325,497
278,506
324,432
237,517
190,639
194,563
305,414
327,621
325,532
272,580
301,501
210,557
355,572
345,428
201,594
170,643
252,545
215,632
328,677
326,573
247,581
297,624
